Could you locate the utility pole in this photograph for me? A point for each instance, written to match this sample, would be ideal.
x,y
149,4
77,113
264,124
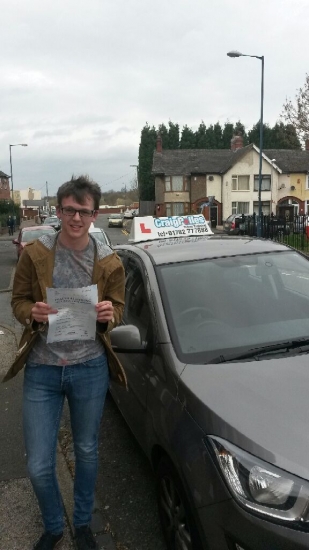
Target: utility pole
x,y
137,181
47,201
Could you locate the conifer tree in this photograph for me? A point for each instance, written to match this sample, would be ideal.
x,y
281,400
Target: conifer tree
x,y
173,135
200,136
145,156
187,140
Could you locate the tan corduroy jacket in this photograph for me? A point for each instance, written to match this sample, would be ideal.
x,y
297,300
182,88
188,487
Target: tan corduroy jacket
x,y
34,273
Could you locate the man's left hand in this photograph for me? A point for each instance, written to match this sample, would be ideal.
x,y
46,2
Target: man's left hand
x,y
105,311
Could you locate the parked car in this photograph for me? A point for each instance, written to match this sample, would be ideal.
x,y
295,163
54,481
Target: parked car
x,y
129,213
246,224
214,344
27,234
236,224
100,234
115,220
54,221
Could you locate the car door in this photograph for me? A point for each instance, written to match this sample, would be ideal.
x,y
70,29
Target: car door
x,y
133,403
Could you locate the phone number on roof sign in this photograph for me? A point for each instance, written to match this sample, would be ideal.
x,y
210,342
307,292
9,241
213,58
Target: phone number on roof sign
x,y
186,231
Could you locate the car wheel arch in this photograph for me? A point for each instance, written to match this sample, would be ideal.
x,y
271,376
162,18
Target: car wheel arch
x,y
167,477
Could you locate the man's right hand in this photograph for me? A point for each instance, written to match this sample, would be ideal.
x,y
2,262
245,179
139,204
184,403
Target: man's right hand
x,y
40,312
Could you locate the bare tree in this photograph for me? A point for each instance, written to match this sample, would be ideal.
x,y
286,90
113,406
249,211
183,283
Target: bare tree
x,y
134,184
297,113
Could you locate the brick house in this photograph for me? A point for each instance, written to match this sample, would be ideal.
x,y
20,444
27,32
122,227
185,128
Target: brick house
x,y
5,193
186,178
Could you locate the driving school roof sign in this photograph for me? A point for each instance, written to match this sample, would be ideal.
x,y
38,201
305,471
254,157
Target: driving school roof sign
x,y
149,228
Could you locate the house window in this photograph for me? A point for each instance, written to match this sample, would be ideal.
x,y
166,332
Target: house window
x,y
176,208
240,207
240,183
266,183
265,207
176,183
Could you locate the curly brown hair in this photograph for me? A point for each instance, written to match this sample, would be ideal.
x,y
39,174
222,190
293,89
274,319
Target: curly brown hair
x,y
80,188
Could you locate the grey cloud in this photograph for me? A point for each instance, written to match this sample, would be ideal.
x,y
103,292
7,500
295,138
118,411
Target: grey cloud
x,y
81,79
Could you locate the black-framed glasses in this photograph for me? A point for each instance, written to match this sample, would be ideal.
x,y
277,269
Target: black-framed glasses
x,y
70,211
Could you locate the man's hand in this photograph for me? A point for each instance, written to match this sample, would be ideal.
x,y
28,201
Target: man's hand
x,y
40,312
105,311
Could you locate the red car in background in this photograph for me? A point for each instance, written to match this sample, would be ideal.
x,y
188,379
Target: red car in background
x,y
31,233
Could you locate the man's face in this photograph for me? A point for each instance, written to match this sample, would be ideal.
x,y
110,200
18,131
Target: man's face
x,y
75,227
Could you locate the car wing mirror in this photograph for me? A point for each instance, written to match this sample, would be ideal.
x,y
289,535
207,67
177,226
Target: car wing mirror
x,y
127,339
15,241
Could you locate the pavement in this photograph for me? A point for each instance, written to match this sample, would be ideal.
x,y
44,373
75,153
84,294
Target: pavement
x,y
20,523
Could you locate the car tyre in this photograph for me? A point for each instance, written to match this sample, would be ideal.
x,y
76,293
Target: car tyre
x,y
178,525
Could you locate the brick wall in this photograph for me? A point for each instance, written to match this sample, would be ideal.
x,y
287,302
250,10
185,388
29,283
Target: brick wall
x,y
198,187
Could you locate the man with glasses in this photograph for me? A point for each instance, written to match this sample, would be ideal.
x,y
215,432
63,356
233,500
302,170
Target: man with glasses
x,y
77,369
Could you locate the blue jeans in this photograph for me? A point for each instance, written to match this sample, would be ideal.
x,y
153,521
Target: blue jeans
x,y
45,388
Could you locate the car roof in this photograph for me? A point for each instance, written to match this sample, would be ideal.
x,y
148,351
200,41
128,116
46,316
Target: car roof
x,y
36,227
197,248
94,229
175,239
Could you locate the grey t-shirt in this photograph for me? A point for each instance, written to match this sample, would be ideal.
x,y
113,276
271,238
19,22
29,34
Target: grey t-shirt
x,y
72,269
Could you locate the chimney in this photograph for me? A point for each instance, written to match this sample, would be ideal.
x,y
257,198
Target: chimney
x,y
307,144
159,144
237,142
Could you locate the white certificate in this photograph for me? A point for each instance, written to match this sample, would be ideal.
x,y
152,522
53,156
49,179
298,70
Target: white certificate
x,y
76,317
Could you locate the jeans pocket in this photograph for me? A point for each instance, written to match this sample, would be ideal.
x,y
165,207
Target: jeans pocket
x,y
100,361
31,365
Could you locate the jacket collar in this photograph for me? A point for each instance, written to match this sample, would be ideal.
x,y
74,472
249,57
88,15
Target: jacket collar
x,y
103,250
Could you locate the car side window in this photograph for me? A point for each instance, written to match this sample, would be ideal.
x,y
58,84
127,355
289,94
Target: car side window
x,y
136,309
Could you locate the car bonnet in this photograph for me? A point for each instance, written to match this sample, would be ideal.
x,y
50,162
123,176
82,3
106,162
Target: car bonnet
x,y
260,406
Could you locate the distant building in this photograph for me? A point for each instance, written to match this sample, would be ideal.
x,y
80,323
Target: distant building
x,y
226,181
4,186
28,194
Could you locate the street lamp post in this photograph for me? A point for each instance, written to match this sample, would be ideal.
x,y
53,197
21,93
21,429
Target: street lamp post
x,y
12,185
136,166
235,53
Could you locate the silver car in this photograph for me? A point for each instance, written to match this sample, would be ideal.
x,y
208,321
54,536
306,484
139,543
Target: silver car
x,y
115,220
215,342
100,234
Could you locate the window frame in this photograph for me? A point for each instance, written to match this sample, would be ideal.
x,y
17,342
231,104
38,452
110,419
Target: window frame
x,y
168,184
239,210
170,209
256,182
235,180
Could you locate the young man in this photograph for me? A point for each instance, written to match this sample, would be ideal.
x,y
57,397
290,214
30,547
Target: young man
x,y
77,369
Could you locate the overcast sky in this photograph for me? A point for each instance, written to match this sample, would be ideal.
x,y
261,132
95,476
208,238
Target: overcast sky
x,y
79,79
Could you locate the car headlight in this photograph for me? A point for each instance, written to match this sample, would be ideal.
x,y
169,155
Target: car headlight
x,y
260,486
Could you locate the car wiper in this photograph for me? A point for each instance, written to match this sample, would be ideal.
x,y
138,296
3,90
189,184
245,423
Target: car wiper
x,y
300,344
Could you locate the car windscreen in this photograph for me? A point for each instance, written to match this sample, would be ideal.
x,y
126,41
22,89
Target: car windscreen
x,y
221,306
50,221
36,234
115,216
